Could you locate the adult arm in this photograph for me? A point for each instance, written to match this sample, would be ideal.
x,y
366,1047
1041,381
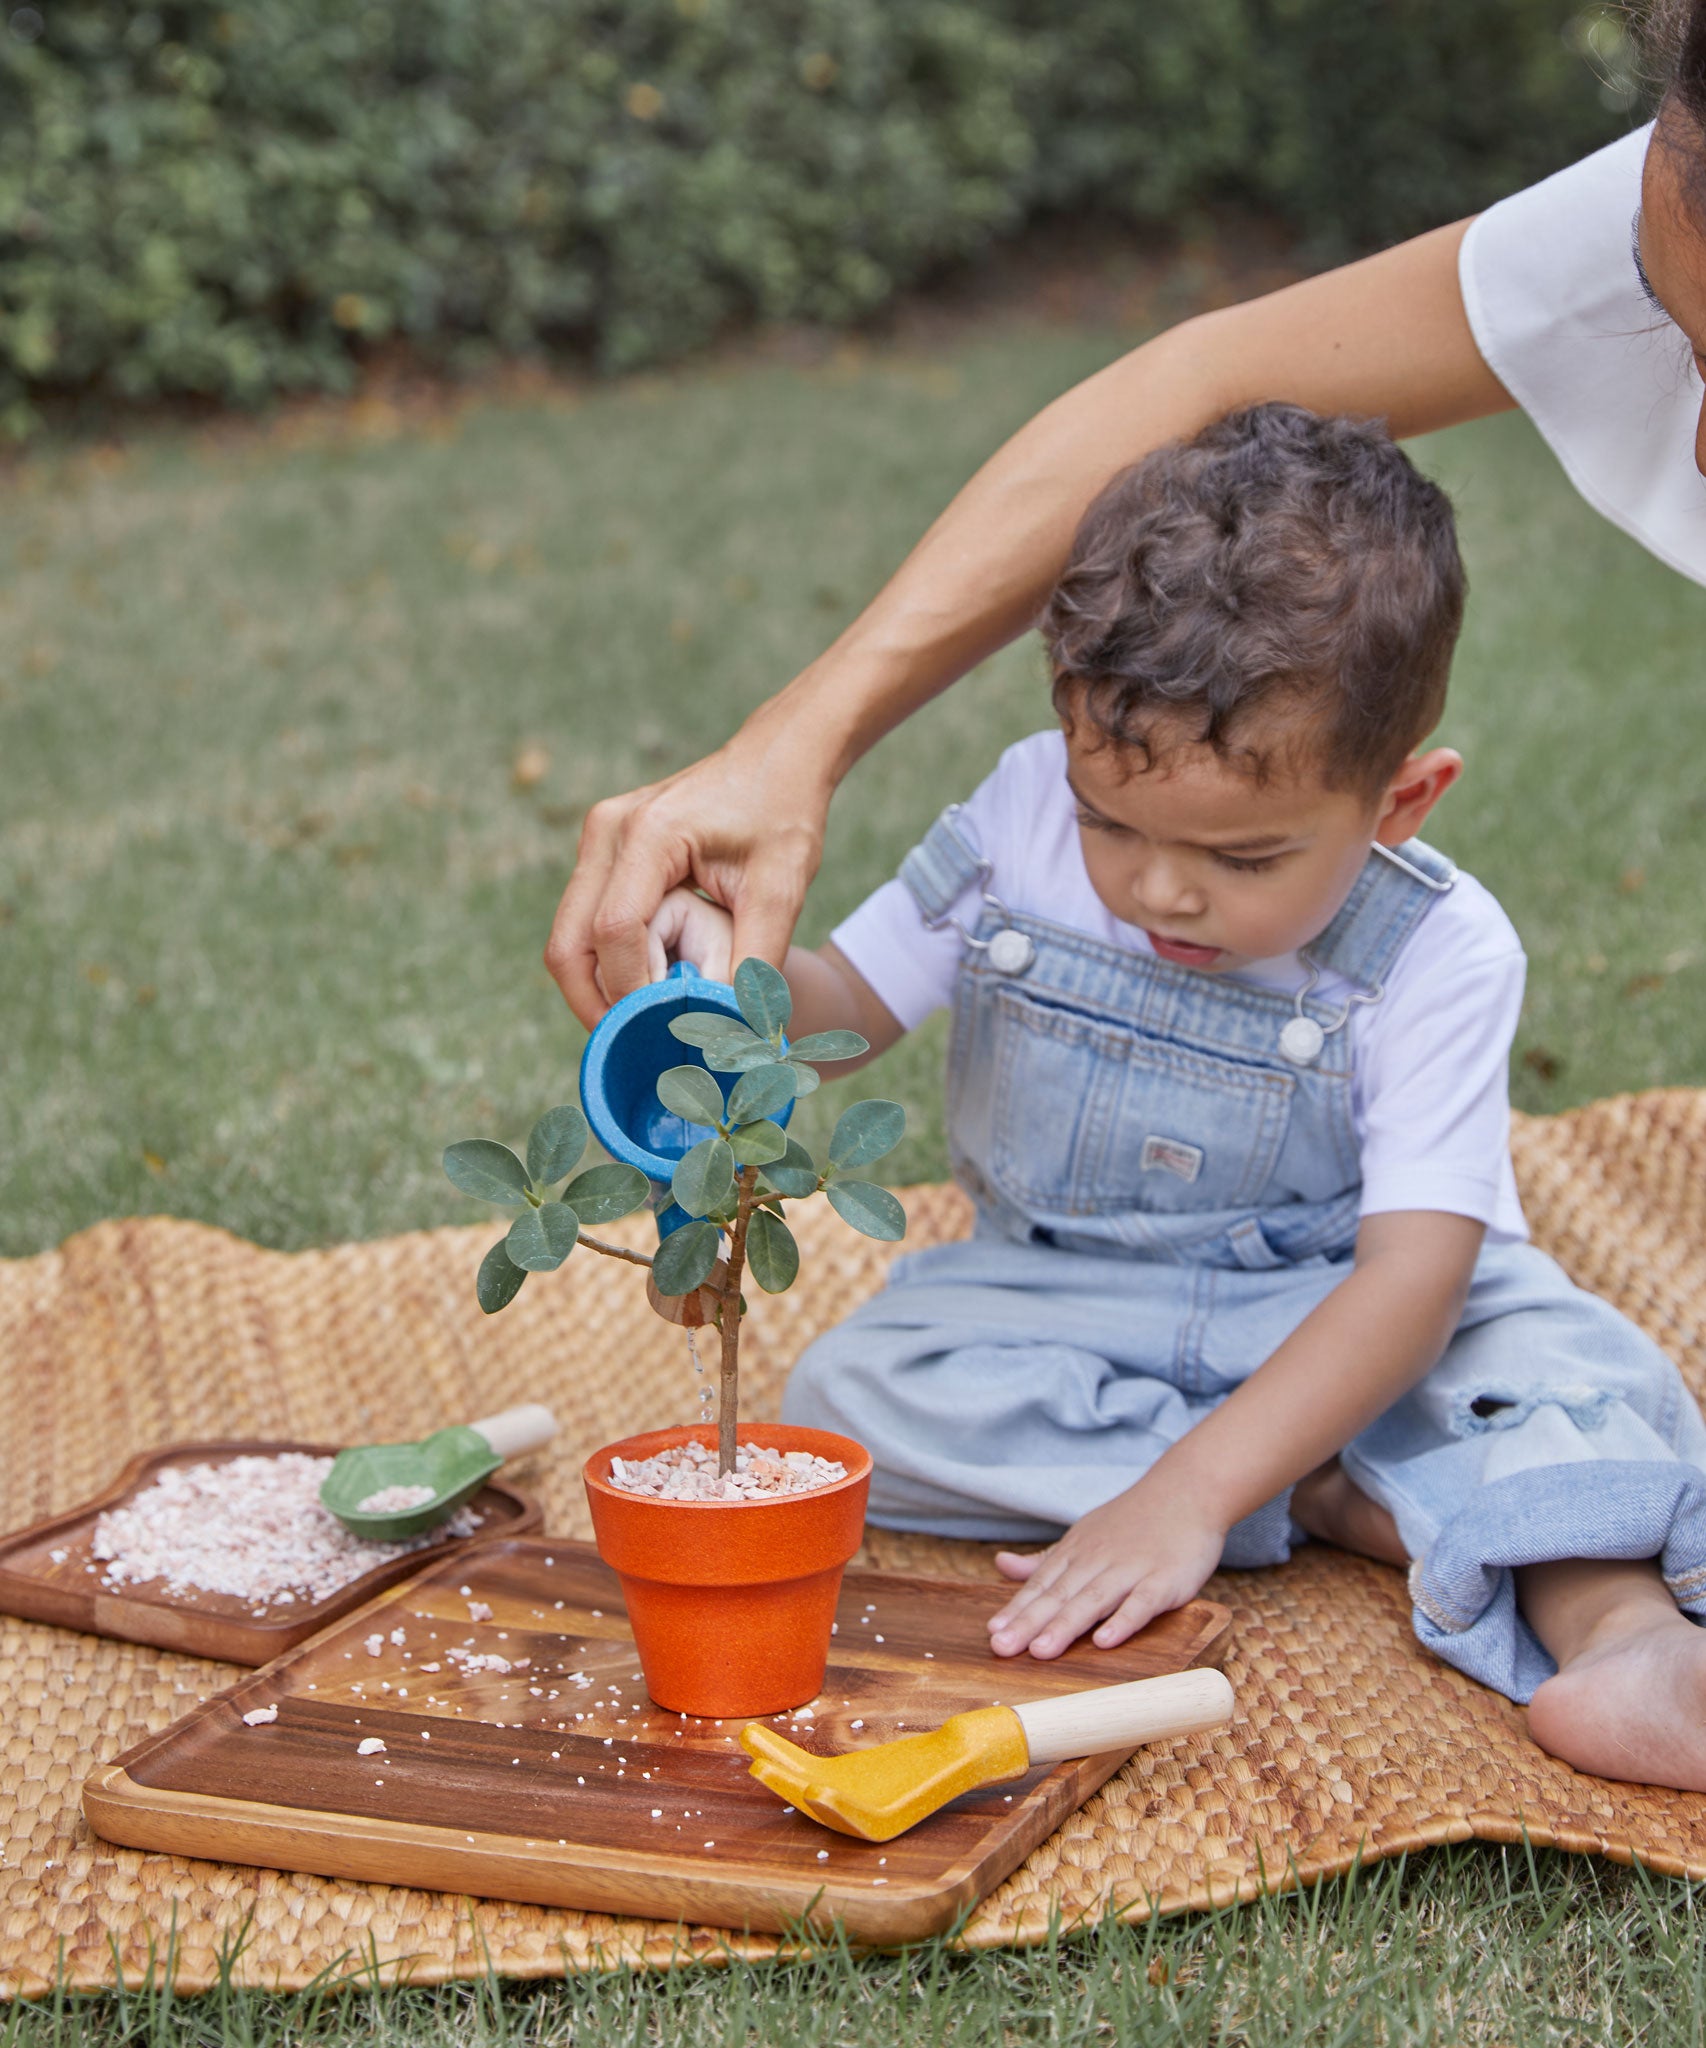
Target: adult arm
x,y
1152,1547
1385,338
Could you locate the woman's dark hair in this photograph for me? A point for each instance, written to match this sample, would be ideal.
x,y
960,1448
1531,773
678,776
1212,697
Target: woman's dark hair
x,y
1674,32
1278,560
1674,35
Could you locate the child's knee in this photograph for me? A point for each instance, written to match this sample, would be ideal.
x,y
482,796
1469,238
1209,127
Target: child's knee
x,y
1558,1362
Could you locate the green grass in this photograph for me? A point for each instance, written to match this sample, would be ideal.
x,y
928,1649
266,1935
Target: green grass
x,y
271,912
1484,1947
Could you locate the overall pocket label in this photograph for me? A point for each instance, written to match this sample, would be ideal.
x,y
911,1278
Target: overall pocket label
x,y
1171,1155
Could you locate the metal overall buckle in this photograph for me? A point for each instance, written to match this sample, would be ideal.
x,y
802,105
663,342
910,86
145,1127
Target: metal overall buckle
x,y
1301,1037
1008,950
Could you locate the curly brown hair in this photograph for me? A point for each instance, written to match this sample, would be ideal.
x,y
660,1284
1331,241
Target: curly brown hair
x,y
1277,563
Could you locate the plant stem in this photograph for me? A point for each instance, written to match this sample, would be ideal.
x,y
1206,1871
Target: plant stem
x,y
613,1251
728,1322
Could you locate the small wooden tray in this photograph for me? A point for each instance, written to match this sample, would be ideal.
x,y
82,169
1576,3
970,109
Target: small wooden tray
x,y
558,1782
45,1575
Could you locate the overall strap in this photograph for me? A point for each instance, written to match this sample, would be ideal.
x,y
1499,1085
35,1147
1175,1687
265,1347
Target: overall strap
x,y
1391,896
943,865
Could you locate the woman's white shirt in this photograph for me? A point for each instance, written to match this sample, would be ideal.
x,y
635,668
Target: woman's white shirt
x,y
1557,311
1430,1060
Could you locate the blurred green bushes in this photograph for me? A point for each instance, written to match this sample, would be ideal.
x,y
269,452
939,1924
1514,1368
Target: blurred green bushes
x,y
229,197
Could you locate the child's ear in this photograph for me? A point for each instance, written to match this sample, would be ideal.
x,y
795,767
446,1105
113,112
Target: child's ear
x,y
1413,792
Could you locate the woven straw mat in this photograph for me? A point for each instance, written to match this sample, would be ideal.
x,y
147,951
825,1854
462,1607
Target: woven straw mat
x,y
1348,1737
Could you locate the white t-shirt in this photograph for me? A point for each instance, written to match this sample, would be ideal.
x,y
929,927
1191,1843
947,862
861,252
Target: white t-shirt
x,y
1558,313
1429,1062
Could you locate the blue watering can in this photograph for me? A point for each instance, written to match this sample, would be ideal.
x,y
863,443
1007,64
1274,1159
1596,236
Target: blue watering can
x,y
630,1047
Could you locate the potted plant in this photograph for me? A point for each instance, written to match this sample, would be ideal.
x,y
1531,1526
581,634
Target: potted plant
x,y
730,1598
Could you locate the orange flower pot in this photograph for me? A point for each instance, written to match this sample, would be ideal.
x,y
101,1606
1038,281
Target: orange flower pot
x,y
731,1601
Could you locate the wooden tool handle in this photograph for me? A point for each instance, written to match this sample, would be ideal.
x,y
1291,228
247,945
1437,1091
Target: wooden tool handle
x,y
517,1429
1120,1716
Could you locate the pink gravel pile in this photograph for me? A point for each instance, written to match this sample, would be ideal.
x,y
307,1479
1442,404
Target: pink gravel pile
x,y
689,1472
250,1528
394,1500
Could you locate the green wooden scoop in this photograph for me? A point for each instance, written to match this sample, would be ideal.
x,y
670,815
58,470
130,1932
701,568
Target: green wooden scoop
x,y
455,1463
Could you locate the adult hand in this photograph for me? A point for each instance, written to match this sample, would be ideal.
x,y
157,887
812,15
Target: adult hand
x,y
744,825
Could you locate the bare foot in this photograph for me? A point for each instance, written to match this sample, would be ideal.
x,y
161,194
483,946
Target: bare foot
x,y
1632,1703
1330,1506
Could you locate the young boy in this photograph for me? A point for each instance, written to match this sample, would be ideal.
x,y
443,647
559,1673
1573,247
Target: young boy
x,y
1227,1082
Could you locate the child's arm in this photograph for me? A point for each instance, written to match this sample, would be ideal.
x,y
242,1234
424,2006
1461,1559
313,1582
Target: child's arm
x,y
1152,1547
829,992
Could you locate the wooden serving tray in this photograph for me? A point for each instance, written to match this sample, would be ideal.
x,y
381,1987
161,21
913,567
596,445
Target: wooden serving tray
x,y
558,1781
45,1576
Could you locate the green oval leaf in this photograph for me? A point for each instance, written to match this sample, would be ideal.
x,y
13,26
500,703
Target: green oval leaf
x,y
705,1179
871,1210
736,1058
806,1079
829,1045
490,1172
555,1144
604,1193
865,1132
763,997
541,1240
691,1093
763,1092
685,1258
499,1279
758,1144
795,1174
771,1252
706,1028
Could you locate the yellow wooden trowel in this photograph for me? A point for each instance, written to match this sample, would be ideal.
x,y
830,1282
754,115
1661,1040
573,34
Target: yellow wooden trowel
x,y
882,1791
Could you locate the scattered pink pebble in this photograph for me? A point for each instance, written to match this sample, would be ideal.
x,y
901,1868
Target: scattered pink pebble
x,y
474,1660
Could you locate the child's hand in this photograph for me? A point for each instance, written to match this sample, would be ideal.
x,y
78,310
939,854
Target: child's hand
x,y
1137,1556
686,927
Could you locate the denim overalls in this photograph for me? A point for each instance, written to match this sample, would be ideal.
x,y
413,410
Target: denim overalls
x,y
1163,1195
